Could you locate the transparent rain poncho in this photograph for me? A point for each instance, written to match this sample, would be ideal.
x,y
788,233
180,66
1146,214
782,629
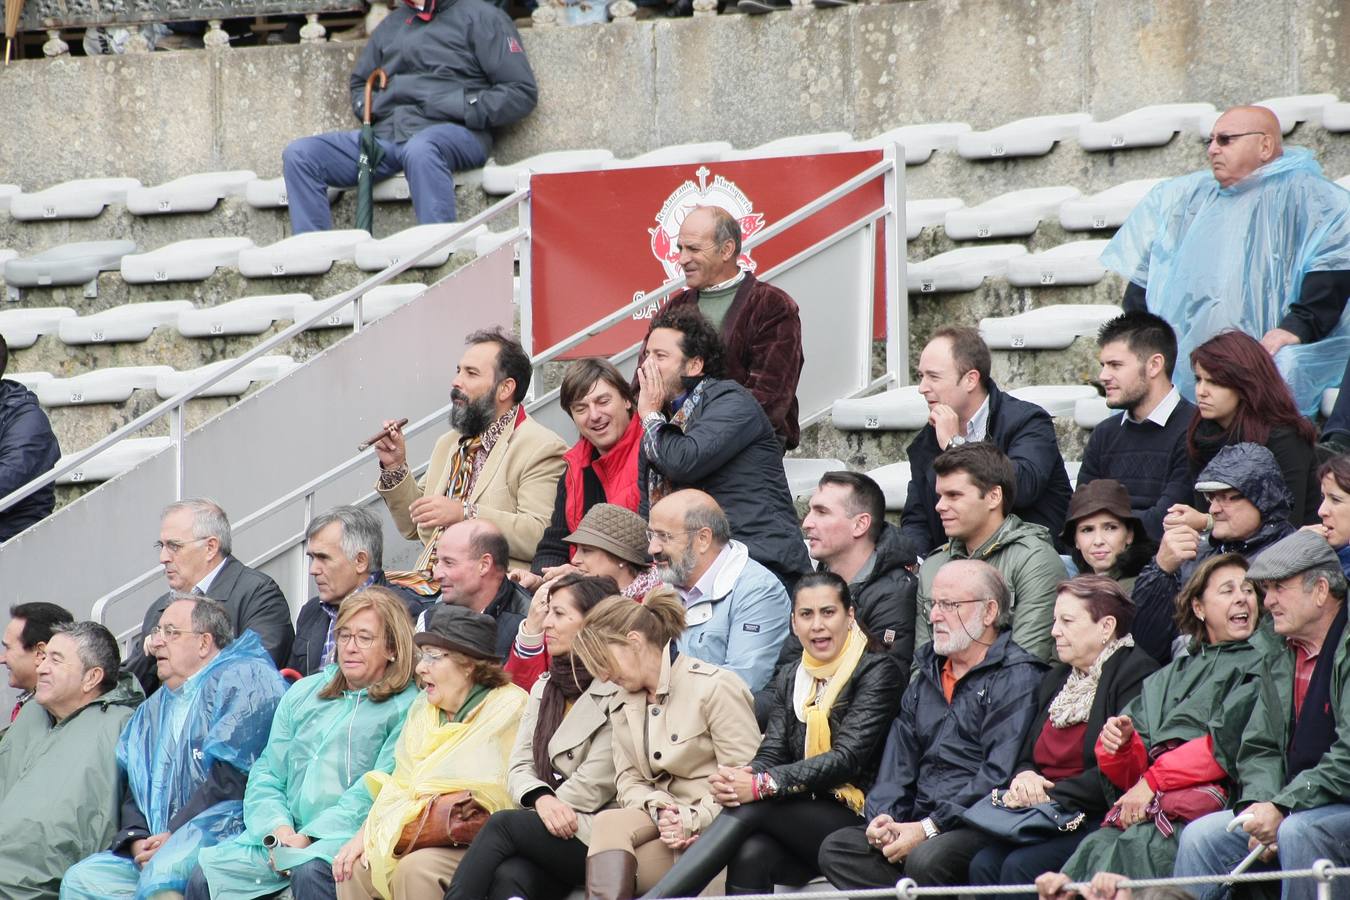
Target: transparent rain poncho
x,y
221,715
1217,258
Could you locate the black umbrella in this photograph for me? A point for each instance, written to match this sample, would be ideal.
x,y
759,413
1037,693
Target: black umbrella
x,y
371,155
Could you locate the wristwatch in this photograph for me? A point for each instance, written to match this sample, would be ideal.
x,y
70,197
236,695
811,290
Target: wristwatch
x,y
930,829
956,441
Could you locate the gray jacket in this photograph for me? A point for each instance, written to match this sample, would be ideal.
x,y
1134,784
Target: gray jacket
x,y
463,64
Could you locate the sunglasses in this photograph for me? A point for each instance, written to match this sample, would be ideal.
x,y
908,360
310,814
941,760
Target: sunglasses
x,y
1223,140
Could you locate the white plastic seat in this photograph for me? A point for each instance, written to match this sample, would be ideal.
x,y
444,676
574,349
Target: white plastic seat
x,y
191,193
129,322
803,474
374,255
270,193
377,303
796,145
893,480
1289,110
29,380
1014,214
1056,399
121,457
1074,263
190,260
113,385
1328,399
1344,182
1035,136
962,269
921,214
312,253
1071,468
7,192
1148,126
919,141
265,368
1090,411
678,154
77,263
80,199
391,190
1335,117
1046,327
502,179
245,316
1105,209
22,327
5,256
486,243
899,409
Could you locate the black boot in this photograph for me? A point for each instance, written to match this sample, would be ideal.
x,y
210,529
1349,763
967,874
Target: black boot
x,y
700,864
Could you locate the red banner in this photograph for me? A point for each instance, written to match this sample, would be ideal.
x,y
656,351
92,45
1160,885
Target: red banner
x,y
600,239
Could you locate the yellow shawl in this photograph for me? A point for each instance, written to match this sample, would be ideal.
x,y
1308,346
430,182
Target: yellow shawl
x,y
816,710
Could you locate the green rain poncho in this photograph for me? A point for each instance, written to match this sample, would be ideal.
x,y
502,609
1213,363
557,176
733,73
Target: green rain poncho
x,y
311,778
1211,691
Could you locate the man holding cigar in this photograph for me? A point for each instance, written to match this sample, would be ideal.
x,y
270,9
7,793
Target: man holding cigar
x,y
495,463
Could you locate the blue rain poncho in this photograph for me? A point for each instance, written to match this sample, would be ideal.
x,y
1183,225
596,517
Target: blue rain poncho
x,y
220,716
1215,258
310,777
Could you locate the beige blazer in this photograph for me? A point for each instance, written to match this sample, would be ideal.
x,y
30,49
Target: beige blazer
x,y
664,752
515,491
581,751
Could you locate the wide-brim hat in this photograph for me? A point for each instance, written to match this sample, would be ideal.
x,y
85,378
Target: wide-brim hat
x,y
614,529
1097,496
462,630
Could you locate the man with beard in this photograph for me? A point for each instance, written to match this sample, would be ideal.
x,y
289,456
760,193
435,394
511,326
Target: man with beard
x,y
1144,447
737,611
961,724
495,463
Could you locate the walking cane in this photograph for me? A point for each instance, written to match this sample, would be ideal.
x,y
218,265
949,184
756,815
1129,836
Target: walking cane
x,y
1253,856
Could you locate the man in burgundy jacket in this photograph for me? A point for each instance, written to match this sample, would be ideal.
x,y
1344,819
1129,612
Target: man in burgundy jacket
x,y
758,323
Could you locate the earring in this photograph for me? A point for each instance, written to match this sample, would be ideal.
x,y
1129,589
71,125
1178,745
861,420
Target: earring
x,y
391,659
1103,642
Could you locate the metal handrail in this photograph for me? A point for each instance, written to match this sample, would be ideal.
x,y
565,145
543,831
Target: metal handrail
x,y
176,403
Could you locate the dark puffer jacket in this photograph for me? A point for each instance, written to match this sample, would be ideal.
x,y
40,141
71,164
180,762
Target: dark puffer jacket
x,y
859,719
28,448
885,599
1250,469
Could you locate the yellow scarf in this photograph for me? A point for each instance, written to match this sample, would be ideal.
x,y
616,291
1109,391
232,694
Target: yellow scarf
x,y
816,710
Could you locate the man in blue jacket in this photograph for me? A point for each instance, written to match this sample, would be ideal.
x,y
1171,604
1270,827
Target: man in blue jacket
x,y
962,721
456,70
28,448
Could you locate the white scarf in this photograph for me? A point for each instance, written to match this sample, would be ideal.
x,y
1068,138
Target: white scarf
x,y
1073,703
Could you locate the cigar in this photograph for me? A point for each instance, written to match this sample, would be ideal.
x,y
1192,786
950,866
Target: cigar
x,y
380,434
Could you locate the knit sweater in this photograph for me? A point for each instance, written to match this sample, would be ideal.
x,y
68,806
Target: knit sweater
x,y
1148,459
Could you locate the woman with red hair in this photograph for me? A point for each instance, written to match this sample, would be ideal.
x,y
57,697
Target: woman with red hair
x,y
1241,397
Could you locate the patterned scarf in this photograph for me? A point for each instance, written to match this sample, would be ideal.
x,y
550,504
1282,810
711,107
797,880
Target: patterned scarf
x,y
1073,703
658,485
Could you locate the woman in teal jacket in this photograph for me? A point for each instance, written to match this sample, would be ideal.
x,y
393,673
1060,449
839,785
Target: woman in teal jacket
x,y
306,796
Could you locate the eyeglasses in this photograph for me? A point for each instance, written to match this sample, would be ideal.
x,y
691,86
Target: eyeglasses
x,y
176,547
1223,140
168,632
431,657
950,606
362,639
1224,498
664,537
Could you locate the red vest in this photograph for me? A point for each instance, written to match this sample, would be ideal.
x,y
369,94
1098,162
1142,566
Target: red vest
x,y
617,471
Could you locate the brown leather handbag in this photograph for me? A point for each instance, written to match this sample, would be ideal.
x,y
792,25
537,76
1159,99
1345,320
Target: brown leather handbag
x,y
450,820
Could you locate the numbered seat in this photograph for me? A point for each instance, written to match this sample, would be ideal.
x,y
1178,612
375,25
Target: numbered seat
x,y
678,154
1056,399
502,179
247,315
264,368
29,379
191,193
113,385
128,323
377,303
1035,136
1090,411
270,193
1047,327
921,214
803,473
1105,209
84,198
899,409
312,253
962,269
920,141
8,192
1335,117
374,255
393,189
893,479
1075,263
1290,110
195,259
1329,400
121,457
1014,214
22,327
796,145
486,243
1344,182
67,264
1148,126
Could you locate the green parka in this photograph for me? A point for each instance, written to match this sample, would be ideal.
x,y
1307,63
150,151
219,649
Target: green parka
x,y
59,790
1211,691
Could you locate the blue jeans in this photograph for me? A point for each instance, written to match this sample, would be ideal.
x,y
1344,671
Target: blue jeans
x,y
429,158
1208,849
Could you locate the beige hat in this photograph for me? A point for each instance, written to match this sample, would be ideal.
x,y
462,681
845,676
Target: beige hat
x,y
614,529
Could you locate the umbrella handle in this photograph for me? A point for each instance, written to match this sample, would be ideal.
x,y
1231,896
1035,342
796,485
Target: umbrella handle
x,y
384,81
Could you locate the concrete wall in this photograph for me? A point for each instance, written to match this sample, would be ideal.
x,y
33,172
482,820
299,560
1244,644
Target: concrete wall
x,y
747,80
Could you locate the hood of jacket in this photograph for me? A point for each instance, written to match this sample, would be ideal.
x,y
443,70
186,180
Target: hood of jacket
x,y
127,692
13,396
892,553
1252,470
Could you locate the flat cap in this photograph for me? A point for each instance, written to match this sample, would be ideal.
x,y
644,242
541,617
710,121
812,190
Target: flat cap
x,y
1299,552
